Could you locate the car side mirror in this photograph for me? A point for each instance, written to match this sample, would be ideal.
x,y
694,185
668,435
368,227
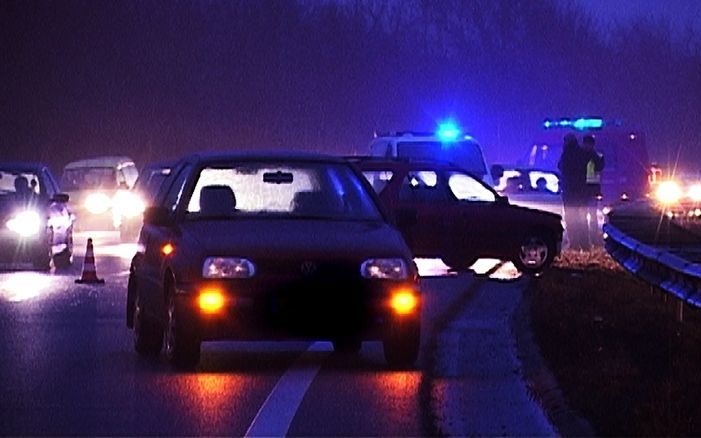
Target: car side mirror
x,y
60,197
405,217
502,200
158,216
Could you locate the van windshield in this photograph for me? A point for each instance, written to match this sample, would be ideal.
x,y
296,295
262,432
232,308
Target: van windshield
x,y
466,154
89,178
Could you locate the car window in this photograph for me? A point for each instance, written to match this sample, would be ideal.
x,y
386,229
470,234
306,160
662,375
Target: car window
x,y
176,190
467,188
20,182
295,190
422,186
378,179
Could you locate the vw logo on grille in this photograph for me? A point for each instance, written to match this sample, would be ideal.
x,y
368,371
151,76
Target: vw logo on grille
x,y
308,267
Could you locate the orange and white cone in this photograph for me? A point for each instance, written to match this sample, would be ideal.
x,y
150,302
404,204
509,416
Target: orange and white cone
x,y
89,274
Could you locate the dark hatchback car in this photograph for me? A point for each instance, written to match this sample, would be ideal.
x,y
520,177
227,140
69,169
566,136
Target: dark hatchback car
x,y
269,247
444,211
131,207
36,227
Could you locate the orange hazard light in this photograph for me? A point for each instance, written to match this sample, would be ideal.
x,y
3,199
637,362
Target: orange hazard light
x,y
404,302
211,301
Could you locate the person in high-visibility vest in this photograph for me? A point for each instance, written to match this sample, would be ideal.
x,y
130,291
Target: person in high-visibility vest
x,y
595,165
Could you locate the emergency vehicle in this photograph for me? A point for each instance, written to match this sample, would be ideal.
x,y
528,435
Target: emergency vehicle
x,y
627,167
448,143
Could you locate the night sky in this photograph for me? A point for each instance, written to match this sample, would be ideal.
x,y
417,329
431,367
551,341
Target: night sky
x,y
155,80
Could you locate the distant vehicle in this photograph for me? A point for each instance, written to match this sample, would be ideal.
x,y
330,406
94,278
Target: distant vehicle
x,y
97,185
271,246
444,211
448,144
37,228
627,166
533,188
130,208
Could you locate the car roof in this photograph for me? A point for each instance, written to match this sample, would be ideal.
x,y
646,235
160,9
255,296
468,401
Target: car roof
x,y
213,157
413,162
419,136
23,165
106,161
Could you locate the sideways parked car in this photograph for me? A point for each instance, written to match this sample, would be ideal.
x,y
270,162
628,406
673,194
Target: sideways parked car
x,y
129,206
96,186
444,211
271,246
36,227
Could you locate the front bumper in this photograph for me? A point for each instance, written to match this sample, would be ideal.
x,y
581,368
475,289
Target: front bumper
x,y
253,311
17,251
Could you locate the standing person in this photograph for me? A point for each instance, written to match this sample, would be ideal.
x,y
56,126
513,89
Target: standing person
x,y
595,165
572,165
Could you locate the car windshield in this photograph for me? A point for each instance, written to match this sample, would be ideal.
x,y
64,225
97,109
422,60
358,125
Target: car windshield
x,y
89,178
465,154
18,182
282,190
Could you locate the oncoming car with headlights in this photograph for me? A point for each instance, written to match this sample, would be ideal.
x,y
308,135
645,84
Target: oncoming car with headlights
x,y
271,246
36,227
131,205
100,191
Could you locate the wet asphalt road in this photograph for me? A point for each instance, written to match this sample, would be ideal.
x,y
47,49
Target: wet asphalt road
x,y
68,368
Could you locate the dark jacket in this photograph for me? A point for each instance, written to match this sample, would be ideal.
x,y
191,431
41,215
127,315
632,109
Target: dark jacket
x,y
573,173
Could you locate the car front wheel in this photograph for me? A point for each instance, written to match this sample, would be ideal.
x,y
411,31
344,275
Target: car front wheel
x,y
148,334
182,348
535,253
401,343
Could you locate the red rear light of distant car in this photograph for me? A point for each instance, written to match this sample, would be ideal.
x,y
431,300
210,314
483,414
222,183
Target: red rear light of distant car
x,y
211,301
404,302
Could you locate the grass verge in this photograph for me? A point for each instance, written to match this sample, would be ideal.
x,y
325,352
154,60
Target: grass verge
x,y
616,349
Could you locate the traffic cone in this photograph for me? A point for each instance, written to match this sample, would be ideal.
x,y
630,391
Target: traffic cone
x,y
89,274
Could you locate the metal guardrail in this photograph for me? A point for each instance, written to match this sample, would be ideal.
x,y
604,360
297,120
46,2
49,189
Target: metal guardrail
x,y
655,265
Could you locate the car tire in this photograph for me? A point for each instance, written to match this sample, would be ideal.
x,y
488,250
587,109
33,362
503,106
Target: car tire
x,y
401,343
42,261
535,253
148,333
182,348
460,263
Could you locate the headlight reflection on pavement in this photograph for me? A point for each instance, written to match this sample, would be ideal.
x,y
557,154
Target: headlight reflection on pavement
x,y
496,269
22,286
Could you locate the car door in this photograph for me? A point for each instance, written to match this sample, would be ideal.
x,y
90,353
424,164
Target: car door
x,y
480,219
153,239
57,211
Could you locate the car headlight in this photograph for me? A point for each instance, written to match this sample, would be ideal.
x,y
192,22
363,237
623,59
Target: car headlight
x,y
668,192
128,204
228,267
97,203
392,269
695,193
26,223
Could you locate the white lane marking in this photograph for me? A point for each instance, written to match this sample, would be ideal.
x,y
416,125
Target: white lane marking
x,y
278,410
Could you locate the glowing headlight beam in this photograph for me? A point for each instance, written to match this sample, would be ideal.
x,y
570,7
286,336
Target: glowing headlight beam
x,y
97,203
668,192
26,223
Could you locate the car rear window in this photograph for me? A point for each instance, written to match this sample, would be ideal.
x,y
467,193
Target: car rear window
x,y
307,190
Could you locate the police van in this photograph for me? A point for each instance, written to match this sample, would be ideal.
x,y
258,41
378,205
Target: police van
x,y
448,143
627,166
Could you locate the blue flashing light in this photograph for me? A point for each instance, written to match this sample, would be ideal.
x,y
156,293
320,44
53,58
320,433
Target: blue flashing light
x,y
581,124
448,132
